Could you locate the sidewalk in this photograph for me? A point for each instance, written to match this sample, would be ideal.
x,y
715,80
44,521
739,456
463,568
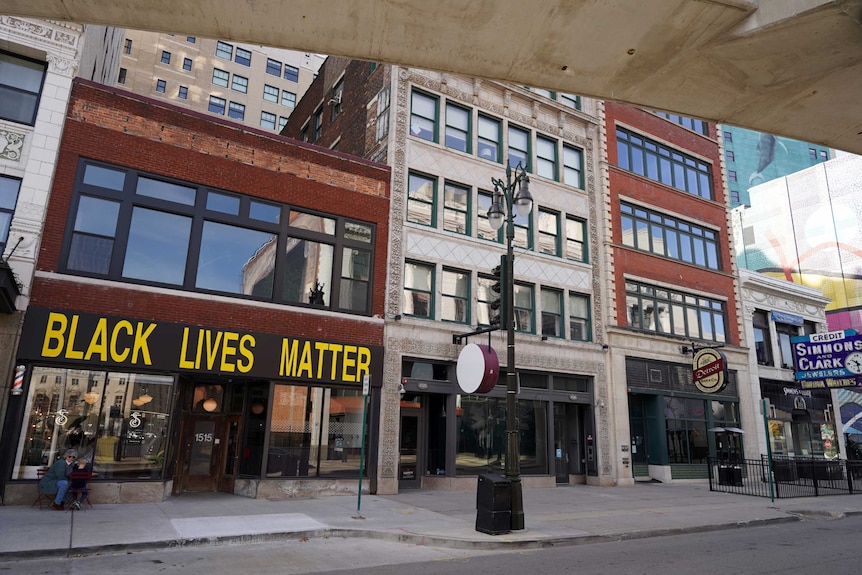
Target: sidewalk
x,y
566,515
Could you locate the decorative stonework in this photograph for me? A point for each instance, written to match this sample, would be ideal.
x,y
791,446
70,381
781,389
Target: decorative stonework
x,y
38,30
11,144
62,66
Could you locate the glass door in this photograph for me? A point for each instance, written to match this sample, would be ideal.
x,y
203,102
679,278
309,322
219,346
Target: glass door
x,y
411,447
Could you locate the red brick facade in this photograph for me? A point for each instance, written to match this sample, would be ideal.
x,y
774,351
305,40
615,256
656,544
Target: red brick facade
x,y
124,129
713,213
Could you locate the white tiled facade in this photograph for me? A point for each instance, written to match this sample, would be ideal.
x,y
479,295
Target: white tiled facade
x,y
29,153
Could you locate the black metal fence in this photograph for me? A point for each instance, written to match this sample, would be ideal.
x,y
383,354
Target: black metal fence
x,y
786,477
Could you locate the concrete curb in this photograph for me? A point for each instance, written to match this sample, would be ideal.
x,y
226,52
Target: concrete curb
x,y
498,543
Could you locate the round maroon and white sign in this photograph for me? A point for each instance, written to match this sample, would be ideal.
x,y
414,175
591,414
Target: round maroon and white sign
x,y
477,369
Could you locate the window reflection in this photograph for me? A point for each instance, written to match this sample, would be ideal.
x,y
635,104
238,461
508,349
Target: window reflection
x,y
307,271
236,260
118,421
315,432
157,246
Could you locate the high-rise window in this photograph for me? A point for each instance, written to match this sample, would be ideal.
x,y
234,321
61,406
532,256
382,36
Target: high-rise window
x,y
456,208
187,64
455,296
270,93
161,86
524,308
675,312
9,188
418,290
127,47
224,50
674,238
552,312
579,317
121,77
576,239
291,73
421,194
549,232
489,138
236,111
663,164
239,84
573,166
423,116
217,105
220,77
183,93
166,57
20,87
288,99
267,120
519,148
457,128
316,125
273,67
243,57
546,157
762,341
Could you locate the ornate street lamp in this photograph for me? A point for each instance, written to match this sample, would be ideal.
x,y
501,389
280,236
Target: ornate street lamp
x,y
515,192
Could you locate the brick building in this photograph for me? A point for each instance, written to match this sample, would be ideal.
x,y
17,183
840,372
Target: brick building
x,y
205,308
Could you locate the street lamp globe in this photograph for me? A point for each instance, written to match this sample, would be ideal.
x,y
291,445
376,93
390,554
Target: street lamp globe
x,y
523,199
496,215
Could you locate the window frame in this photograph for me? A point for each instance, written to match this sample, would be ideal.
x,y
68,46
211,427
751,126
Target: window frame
x,y
166,57
291,73
240,86
551,317
220,76
497,144
223,48
545,232
242,56
183,92
412,289
466,133
273,67
161,85
524,292
449,208
267,124
568,168
19,61
292,100
411,199
187,64
684,310
243,216
445,296
582,242
217,105
272,92
8,209
679,239
527,153
435,120
236,111
668,166
542,162
584,321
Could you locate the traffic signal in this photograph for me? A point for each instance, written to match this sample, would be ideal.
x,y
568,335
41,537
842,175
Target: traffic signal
x,y
497,288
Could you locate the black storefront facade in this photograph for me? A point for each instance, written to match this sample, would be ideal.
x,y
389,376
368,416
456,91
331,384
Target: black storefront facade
x,y
161,408
674,426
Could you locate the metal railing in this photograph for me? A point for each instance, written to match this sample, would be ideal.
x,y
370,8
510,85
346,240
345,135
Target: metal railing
x,y
785,477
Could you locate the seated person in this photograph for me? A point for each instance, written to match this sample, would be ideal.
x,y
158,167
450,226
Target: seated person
x,y
56,480
79,484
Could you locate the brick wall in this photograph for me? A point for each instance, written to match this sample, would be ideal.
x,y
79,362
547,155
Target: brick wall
x,y
117,127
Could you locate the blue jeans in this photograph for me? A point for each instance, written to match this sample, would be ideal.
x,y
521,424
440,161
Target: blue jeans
x,y
62,488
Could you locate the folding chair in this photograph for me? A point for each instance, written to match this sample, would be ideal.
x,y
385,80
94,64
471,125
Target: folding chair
x,y
74,492
48,497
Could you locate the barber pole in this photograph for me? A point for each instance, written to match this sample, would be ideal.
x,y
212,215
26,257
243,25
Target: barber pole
x,y
18,384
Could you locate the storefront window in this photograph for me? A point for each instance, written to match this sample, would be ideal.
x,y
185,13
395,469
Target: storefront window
x,y
315,432
685,424
482,435
117,421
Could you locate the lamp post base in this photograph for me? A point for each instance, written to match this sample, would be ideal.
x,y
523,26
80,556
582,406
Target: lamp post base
x,y
517,496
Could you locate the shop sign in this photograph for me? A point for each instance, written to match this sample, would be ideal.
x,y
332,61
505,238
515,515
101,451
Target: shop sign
x,y
118,342
478,368
788,318
828,360
709,370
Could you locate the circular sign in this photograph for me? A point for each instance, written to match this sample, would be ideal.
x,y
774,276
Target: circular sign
x,y
709,370
477,369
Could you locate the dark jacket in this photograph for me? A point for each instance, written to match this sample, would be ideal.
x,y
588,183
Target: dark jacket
x,y
59,470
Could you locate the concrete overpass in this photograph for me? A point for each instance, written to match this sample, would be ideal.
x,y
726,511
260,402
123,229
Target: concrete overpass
x,y
789,67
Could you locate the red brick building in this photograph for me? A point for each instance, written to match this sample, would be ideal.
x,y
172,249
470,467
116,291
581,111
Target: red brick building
x,y
674,291
206,296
